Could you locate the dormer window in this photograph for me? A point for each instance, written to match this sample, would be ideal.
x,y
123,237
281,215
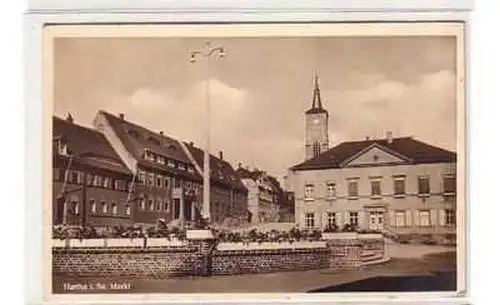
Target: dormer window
x,y
133,133
149,156
154,141
170,163
62,148
160,160
182,166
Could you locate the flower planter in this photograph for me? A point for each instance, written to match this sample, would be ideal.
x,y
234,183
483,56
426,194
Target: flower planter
x,y
199,234
339,235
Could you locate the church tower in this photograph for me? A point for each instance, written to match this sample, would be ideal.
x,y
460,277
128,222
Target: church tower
x,y
316,125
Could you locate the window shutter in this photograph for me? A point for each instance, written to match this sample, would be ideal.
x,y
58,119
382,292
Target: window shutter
x,y
392,218
340,219
409,218
416,217
442,217
361,219
434,217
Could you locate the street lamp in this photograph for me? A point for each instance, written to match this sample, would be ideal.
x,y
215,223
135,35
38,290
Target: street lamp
x,y
207,52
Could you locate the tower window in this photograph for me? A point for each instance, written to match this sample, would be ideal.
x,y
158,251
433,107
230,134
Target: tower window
x,y
316,149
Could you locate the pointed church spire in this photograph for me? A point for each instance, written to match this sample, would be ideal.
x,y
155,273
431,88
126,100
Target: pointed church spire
x,y
316,104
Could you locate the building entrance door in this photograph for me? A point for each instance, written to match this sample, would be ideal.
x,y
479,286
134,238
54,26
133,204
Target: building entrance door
x,y
376,221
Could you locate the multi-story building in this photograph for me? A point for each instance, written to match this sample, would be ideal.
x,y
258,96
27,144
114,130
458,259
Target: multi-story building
x,y
395,184
287,206
168,173
264,194
90,182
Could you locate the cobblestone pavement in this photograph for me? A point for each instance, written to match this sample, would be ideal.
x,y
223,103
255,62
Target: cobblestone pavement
x,y
275,282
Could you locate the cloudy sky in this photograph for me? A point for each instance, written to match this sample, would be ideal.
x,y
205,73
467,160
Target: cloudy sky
x,y
261,89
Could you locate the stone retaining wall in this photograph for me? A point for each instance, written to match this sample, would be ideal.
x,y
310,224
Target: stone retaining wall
x,y
201,258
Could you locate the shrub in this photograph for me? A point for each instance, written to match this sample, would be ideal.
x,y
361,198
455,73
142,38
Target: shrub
x,y
331,229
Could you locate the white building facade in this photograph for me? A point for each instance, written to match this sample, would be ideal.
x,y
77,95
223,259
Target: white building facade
x,y
400,198
400,185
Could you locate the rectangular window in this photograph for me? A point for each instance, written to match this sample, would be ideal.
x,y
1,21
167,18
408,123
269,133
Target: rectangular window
x,y
376,189
93,206
450,217
151,179
104,207
142,177
400,217
308,191
352,189
353,218
159,203
449,185
90,179
151,205
74,177
309,220
399,187
159,181
107,182
177,182
332,221
331,191
424,218
166,182
143,204
424,185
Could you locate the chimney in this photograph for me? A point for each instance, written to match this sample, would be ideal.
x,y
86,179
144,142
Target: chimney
x,y
240,165
191,143
69,118
161,132
221,155
122,116
389,137
367,138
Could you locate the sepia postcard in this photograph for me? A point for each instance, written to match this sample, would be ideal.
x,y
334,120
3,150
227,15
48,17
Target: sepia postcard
x,y
254,161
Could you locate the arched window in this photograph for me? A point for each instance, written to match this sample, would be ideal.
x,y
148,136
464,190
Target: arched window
x,y
143,204
316,149
114,208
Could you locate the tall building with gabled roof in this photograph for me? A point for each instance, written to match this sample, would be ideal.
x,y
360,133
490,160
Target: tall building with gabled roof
x,y
317,117
90,182
396,185
168,173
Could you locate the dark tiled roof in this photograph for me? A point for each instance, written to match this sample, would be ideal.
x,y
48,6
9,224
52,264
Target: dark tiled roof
x,y
136,139
221,171
414,151
88,146
256,174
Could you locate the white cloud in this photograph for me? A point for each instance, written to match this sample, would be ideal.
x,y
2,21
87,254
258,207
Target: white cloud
x,y
425,109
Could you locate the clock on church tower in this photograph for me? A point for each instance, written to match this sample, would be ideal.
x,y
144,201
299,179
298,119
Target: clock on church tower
x,y
316,125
